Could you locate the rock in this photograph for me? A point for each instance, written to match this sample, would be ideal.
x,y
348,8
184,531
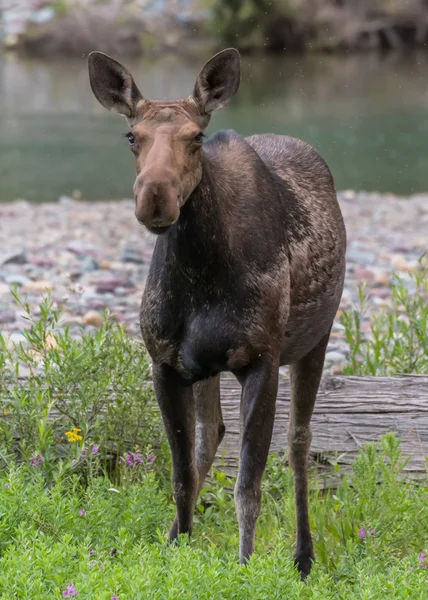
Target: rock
x,y
7,316
401,264
15,258
121,292
80,247
335,357
15,339
89,264
37,286
360,256
131,255
16,278
4,289
41,261
110,285
381,277
71,321
105,264
93,319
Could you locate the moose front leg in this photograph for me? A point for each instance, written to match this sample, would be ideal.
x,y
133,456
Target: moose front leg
x,y
259,391
177,405
209,428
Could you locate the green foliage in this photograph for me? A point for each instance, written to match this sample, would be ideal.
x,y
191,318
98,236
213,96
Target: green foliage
x,y
245,23
117,546
96,385
398,340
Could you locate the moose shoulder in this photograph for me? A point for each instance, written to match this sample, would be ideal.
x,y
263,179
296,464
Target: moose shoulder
x,y
246,275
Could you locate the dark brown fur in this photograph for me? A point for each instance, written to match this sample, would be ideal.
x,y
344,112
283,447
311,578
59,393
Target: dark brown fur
x,y
246,277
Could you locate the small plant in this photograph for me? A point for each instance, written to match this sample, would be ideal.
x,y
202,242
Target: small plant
x,y
398,340
85,401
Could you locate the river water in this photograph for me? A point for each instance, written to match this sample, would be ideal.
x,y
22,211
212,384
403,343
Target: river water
x,y
366,114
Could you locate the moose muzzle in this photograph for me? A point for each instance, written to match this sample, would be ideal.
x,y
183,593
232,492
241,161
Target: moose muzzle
x,y
157,200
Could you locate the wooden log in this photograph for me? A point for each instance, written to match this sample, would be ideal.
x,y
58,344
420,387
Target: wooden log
x,y
349,412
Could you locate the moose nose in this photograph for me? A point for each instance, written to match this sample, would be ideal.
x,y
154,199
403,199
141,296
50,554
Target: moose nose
x,y
157,221
157,200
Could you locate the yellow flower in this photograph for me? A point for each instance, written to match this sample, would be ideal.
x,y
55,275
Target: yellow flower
x,y
5,412
73,435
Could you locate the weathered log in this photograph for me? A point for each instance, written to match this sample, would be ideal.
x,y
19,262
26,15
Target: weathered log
x,y
349,412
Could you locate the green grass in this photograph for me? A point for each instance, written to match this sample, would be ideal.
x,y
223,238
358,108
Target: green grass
x,y
92,509
111,541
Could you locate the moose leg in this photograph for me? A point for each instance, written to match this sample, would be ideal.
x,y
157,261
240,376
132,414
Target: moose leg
x,y
209,426
176,402
259,391
305,376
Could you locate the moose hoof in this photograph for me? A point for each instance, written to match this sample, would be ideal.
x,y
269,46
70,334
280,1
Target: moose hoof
x,y
173,534
303,563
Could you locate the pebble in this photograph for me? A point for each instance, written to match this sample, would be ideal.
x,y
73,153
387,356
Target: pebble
x,y
16,278
89,264
93,318
7,316
335,357
14,258
95,256
38,286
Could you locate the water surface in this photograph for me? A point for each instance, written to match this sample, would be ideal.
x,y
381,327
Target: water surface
x,y
366,114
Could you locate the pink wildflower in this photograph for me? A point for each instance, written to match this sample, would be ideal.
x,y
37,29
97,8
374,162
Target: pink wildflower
x,y
82,512
95,449
362,533
6,485
70,591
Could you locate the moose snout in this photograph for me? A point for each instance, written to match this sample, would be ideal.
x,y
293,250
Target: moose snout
x,y
157,201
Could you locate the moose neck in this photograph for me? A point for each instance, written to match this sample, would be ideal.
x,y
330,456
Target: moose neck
x,y
200,239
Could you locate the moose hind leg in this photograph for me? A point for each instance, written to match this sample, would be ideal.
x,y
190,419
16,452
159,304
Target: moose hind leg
x,y
209,427
209,424
176,401
305,377
259,391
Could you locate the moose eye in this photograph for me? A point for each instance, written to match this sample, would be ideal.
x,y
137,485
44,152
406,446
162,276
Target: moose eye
x,y
198,139
131,138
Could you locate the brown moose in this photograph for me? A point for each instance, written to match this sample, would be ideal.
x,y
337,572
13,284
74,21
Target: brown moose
x,y
247,275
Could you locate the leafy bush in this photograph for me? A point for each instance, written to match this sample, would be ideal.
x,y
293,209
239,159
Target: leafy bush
x,y
86,400
398,340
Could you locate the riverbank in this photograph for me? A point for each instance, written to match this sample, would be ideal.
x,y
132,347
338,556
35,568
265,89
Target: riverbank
x,y
51,29
94,256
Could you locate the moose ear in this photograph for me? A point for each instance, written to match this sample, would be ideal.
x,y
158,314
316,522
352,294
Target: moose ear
x,y
218,81
113,85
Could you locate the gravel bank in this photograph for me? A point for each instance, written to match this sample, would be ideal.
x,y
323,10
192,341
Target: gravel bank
x,y
95,256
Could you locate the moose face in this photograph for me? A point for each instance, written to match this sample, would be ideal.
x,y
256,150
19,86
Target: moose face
x,y
166,137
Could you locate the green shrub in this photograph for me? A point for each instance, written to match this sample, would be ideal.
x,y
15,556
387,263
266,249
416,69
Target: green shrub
x,y
86,401
398,340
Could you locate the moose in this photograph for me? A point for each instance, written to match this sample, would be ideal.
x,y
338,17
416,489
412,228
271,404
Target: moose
x,y
247,275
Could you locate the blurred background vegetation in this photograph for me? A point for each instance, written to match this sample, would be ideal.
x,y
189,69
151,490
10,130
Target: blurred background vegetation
x,y
67,26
